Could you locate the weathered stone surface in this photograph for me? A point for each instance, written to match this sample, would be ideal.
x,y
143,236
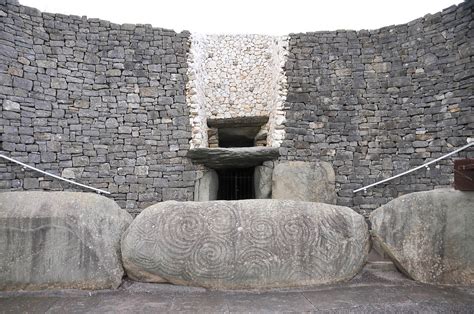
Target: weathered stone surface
x,y
72,173
263,182
368,124
101,104
236,122
207,186
239,157
148,92
111,123
245,244
9,105
304,181
429,235
58,240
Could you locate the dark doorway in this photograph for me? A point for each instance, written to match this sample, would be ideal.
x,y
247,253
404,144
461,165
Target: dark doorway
x,y
245,131
237,137
236,184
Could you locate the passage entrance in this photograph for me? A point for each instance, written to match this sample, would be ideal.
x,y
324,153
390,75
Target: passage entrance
x,y
236,184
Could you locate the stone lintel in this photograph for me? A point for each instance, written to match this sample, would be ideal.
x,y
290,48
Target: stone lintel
x,y
237,122
240,157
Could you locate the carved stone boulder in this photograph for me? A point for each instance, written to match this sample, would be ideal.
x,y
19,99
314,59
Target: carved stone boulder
x,y
60,240
429,235
245,244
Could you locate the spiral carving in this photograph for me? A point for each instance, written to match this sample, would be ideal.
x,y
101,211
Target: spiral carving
x,y
241,244
222,219
296,232
257,264
213,257
261,230
180,230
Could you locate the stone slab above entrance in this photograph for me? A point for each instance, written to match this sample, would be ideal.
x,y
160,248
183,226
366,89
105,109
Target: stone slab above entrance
x,y
239,157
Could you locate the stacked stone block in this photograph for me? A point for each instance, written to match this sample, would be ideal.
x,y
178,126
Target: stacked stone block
x,y
116,106
96,102
377,103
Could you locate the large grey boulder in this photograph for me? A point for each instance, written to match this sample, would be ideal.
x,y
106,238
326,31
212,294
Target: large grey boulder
x,y
57,240
304,181
429,235
245,244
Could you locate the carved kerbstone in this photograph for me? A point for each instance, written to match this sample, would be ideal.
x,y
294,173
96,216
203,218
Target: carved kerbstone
x,y
245,244
429,235
60,240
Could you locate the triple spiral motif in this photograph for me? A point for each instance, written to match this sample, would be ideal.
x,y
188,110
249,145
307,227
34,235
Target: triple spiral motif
x,y
223,242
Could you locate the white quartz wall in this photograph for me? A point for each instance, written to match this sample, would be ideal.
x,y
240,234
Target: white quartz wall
x,y
195,95
276,126
236,76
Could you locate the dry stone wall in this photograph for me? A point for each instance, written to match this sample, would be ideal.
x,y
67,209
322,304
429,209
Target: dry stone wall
x,y
377,103
119,106
100,103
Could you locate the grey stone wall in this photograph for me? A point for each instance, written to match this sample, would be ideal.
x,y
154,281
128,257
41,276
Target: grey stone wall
x,y
376,103
105,104
100,103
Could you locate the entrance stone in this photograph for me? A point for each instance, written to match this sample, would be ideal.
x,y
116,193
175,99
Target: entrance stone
x,y
245,244
304,181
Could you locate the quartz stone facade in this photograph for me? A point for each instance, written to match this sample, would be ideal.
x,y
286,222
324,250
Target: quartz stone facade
x,y
233,76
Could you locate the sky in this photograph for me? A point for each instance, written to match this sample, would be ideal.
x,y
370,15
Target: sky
x,y
271,17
